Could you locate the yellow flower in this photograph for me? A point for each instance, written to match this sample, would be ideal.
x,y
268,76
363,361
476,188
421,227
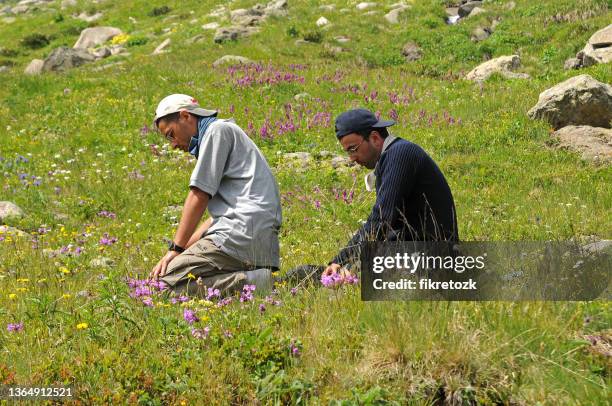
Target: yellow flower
x,y
120,39
42,280
13,296
205,303
66,296
22,289
64,270
23,280
82,326
191,276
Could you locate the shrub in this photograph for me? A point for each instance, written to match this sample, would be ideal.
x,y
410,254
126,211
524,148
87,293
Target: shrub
x,y
314,36
158,11
35,41
136,41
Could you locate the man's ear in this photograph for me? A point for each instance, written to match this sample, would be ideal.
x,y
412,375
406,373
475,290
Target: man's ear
x,y
184,114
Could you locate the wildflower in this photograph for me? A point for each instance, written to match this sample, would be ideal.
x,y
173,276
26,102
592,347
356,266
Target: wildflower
x,y
82,326
294,350
190,316
293,291
191,276
228,334
262,308
200,333
212,293
15,327
147,301
13,296
270,299
247,293
224,302
64,270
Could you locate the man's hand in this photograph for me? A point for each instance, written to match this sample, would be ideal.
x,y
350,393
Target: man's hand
x,y
160,269
331,269
337,269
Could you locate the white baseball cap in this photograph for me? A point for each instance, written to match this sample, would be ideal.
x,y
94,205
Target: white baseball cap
x,y
177,102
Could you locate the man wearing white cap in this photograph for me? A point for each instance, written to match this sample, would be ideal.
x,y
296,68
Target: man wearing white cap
x,y
238,244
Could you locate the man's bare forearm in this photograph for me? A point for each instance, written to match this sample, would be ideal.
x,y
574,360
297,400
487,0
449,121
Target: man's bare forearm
x,y
198,233
194,208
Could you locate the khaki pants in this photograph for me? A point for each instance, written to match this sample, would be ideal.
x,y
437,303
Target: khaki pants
x,y
205,260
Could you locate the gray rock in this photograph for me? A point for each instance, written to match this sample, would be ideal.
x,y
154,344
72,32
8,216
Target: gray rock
x,y
4,68
92,37
411,51
465,9
35,67
161,48
599,48
477,10
504,65
231,60
322,21
103,52
365,5
298,159
341,161
101,262
480,34
196,40
211,26
341,39
301,96
68,3
20,9
580,100
510,5
327,7
12,231
9,210
593,143
572,63
64,58
392,16
89,18
233,33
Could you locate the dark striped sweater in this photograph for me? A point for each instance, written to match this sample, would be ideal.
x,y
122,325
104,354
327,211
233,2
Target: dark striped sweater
x,y
413,201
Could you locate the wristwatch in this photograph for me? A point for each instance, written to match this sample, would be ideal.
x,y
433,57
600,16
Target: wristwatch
x,y
173,247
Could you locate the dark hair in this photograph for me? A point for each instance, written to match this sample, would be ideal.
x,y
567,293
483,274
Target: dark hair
x,y
170,118
384,133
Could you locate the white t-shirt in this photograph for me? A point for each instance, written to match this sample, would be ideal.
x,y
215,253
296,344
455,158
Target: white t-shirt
x,y
245,204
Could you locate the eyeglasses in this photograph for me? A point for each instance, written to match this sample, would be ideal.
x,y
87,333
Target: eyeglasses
x,y
169,135
352,150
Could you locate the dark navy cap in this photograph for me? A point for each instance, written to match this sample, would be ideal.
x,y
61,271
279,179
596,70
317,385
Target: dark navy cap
x,y
356,120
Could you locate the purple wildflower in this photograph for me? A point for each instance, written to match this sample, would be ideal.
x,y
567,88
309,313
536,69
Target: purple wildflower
x,y
212,293
15,327
147,301
294,349
293,291
190,316
262,308
247,293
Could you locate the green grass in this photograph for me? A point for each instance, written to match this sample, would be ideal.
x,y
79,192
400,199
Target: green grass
x,y
507,182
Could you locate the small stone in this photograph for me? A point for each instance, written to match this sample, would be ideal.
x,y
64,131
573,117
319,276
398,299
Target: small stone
x,y
231,60
101,262
480,34
211,26
12,231
161,48
341,39
572,63
35,67
101,53
411,52
301,96
341,161
365,5
9,210
477,10
92,37
322,21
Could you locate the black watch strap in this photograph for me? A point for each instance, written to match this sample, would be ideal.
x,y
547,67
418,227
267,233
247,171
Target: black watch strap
x,y
173,247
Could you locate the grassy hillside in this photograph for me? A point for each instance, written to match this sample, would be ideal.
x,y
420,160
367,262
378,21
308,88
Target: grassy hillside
x,y
78,155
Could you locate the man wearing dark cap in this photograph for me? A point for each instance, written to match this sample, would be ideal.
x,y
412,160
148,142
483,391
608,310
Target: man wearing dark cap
x,y
413,199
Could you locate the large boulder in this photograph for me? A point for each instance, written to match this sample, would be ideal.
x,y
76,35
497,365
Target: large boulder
x,y
580,100
64,58
593,143
8,210
599,48
94,36
412,52
392,16
504,65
